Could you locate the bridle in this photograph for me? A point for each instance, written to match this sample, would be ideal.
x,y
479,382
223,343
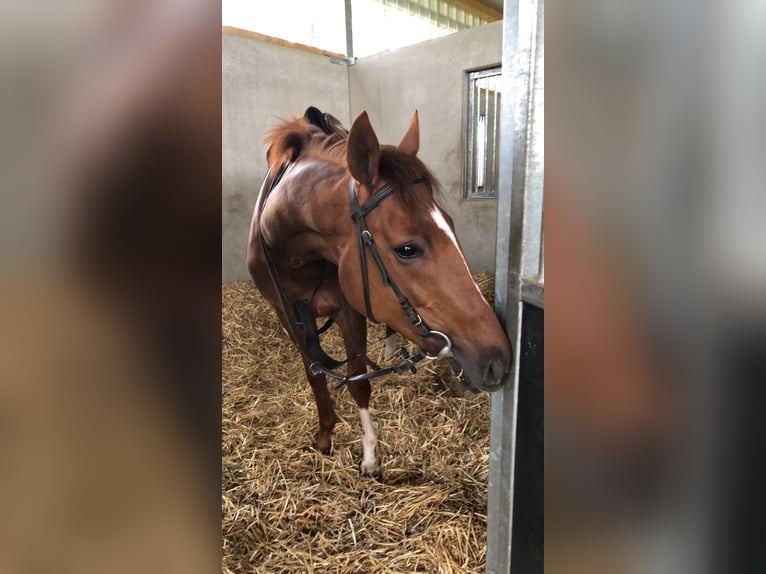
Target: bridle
x,y
365,240
321,363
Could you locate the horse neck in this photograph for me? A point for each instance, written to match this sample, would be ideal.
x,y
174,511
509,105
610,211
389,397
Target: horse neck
x,y
308,208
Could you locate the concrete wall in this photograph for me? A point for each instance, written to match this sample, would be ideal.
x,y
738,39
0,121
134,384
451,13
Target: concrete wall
x,y
261,82
431,77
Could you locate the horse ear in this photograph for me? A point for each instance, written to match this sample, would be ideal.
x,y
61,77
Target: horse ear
x,y
363,150
411,141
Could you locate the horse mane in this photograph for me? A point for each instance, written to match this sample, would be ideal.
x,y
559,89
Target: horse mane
x,y
291,138
297,137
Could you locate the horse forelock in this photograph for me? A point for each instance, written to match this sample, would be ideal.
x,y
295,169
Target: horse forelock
x,y
400,169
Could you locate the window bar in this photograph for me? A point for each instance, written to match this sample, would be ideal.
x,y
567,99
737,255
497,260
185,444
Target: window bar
x,y
495,121
471,137
477,110
490,134
485,114
481,153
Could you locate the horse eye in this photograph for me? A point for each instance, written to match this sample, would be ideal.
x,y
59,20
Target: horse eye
x,y
407,251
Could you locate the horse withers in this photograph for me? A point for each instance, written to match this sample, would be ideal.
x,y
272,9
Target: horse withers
x,y
349,229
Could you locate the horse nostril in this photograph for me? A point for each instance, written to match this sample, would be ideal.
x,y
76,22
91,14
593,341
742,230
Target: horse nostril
x,y
495,369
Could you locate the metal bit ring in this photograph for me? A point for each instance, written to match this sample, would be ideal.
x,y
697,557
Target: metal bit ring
x,y
445,351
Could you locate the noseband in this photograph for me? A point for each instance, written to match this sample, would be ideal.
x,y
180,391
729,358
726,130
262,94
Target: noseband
x,y
321,363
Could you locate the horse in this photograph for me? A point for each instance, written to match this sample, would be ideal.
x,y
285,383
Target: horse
x,y
349,229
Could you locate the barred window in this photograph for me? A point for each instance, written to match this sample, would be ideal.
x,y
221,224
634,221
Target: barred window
x,y
482,133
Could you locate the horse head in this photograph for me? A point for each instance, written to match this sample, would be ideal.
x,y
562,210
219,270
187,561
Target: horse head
x,y
419,254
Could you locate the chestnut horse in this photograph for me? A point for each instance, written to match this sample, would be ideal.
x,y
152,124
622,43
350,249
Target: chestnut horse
x,y
349,229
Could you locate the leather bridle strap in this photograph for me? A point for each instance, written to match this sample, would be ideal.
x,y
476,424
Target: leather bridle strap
x,y
364,239
288,311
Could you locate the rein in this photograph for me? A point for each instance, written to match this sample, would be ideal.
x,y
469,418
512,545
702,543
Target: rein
x,y
297,314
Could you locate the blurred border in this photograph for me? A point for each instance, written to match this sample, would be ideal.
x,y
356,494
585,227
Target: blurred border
x,y
656,286
110,286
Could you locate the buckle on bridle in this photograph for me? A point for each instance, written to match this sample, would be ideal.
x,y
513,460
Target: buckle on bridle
x,y
445,351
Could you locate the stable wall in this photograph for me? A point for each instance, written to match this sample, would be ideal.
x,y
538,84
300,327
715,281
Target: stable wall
x,y
262,81
430,77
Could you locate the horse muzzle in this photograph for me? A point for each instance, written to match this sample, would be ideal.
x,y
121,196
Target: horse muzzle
x,y
484,371
480,370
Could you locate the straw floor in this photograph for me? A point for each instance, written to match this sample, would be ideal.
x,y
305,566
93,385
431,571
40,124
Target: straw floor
x,y
288,508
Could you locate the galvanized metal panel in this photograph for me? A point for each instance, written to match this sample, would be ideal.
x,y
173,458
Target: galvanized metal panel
x,y
519,247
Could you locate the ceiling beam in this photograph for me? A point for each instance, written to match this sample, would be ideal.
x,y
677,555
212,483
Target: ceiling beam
x,y
478,8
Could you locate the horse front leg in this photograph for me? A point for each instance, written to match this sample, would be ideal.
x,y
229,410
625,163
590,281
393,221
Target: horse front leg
x,y
325,407
325,410
369,464
353,326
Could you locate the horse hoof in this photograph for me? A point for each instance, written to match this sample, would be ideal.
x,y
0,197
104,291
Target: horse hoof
x,y
325,449
377,475
373,472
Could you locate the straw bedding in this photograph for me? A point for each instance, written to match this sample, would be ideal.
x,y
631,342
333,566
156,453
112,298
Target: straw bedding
x,y
288,508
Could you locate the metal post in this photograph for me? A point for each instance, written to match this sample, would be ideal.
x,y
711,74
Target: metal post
x,y
349,32
519,221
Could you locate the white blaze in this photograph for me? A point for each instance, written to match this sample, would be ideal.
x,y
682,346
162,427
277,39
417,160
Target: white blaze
x,y
441,223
